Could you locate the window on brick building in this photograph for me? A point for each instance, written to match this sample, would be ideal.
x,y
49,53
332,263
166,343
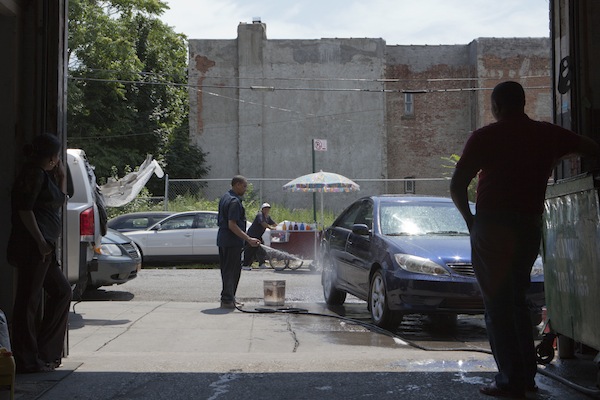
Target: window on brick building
x,y
409,184
409,108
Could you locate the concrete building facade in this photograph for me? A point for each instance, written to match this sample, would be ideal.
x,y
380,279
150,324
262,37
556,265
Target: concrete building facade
x,y
448,90
387,112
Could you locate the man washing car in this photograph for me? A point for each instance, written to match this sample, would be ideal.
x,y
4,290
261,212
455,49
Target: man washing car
x,y
230,239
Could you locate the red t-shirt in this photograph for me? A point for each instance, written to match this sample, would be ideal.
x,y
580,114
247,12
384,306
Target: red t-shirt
x,y
515,158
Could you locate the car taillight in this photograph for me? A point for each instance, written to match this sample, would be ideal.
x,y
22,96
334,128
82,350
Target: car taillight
x,y
86,224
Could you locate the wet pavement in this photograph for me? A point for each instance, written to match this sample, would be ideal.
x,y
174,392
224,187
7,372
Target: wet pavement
x,y
123,345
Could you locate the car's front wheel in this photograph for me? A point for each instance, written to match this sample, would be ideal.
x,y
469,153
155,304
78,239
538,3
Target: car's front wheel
x,y
333,296
381,314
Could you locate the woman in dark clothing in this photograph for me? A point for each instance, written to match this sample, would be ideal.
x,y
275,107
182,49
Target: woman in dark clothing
x,y
38,196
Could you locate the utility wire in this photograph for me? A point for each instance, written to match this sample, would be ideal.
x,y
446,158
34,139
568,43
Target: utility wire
x,y
305,116
317,79
273,88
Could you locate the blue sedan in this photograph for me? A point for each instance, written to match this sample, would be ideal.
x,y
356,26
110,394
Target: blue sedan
x,y
406,255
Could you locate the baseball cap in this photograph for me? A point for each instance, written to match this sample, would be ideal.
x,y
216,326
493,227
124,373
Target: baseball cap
x,y
265,205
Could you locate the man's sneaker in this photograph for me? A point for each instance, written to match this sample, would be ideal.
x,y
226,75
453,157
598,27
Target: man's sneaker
x,y
246,268
263,266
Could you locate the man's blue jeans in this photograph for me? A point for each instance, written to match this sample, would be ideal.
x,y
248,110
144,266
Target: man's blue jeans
x,y
504,248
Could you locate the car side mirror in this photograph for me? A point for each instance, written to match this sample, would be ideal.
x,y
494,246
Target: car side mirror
x,y
360,229
157,227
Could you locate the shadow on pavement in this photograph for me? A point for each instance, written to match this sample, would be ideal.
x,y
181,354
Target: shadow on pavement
x,y
104,295
236,384
77,321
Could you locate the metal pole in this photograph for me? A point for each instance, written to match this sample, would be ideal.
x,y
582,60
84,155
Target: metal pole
x,y
314,194
166,202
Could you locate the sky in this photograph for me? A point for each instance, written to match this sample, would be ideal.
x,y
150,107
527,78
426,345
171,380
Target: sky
x,y
398,22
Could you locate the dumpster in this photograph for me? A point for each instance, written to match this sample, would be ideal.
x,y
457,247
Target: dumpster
x,y
572,258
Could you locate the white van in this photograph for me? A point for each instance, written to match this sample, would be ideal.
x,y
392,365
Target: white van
x,y
85,220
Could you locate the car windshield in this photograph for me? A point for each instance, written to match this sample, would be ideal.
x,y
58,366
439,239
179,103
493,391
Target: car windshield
x,y
421,219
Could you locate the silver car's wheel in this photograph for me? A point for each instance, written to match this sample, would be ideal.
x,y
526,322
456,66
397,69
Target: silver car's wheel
x,y
333,296
381,315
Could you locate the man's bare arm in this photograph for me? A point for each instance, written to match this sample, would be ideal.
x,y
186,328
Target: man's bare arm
x,y
459,193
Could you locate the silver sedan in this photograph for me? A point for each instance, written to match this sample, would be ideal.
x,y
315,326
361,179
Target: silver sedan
x,y
183,237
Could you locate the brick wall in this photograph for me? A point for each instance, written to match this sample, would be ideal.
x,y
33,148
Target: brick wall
x,y
451,86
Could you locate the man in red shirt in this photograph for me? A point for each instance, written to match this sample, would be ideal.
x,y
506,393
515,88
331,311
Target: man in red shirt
x,y
514,157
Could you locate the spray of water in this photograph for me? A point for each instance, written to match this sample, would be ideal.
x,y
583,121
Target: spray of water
x,y
279,254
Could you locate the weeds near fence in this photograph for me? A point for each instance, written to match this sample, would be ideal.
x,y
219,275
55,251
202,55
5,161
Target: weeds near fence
x,y
190,203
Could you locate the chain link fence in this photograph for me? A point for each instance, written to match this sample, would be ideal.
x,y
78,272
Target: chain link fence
x,y
270,190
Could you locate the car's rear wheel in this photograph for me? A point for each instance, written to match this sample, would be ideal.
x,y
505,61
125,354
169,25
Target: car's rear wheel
x,y
333,296
381,314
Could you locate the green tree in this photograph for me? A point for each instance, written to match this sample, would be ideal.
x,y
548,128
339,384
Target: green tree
x,y
127,92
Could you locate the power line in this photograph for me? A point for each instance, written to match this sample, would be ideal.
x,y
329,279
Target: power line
x,y
304,116
273,88
318,79
109,136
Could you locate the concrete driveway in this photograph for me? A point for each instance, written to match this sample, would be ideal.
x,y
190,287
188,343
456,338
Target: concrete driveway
x,y
136,342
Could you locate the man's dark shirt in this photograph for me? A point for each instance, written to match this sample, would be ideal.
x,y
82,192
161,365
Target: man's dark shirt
x,y
230,208
514,158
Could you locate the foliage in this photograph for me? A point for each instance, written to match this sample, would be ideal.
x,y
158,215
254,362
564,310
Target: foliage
x,y
453,160
127,93
190,203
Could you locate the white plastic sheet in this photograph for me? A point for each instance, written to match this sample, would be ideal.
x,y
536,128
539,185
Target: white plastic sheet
x,y
117,193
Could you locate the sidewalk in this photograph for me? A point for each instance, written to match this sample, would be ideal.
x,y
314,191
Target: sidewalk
x,y
175,350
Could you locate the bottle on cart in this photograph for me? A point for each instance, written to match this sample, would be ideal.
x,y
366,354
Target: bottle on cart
x,y
291,227
283,228
295,226
302,226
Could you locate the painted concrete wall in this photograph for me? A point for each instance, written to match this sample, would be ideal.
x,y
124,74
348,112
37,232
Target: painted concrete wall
x,y
456,83
323,89
259,103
